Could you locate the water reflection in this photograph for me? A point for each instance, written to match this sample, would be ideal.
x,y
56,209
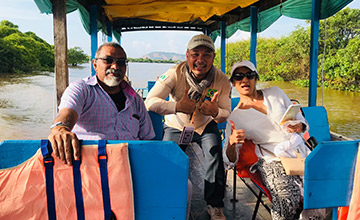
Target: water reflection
x,y
27,101
341,106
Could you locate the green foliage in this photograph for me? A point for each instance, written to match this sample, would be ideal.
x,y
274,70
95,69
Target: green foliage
x,y
343,69
77,56
340,28
7,54
341,66
287,58
23,52
6,30
234,52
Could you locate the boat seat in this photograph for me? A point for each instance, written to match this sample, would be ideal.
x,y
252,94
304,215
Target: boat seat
x,y
317,118
247,158
156,119
329,174
151,196
157,122
68,192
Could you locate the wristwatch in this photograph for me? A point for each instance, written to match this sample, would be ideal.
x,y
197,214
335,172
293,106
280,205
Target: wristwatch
x,y
59,123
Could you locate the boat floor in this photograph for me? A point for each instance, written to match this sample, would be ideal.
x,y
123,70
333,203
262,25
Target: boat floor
x,y
240,210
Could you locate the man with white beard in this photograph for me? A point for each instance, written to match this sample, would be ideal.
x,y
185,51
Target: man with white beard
x,y
103,106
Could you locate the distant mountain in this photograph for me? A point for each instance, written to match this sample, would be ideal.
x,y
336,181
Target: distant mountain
x,y
164,56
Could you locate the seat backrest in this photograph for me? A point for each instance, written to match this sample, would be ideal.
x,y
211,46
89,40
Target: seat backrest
x,y
157,122
329,171
158,169
156,119
318,121
151,84
234,102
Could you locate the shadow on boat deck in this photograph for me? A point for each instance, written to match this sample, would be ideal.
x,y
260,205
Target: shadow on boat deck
x,y
240,210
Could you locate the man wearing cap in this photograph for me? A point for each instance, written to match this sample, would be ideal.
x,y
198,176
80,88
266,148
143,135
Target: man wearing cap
x,y
199,98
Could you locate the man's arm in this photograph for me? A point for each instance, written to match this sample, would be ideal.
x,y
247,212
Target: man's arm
x,y
155,100
64,143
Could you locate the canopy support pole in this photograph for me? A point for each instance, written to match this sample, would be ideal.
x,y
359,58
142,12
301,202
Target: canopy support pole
x,y
60,48
253,33
222,45
93,34
120,37
314,51
109,31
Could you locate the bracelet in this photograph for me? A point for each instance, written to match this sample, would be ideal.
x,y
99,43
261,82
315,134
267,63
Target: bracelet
x,y
59,124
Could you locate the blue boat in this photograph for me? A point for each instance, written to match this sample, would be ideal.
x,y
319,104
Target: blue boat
x,y
160,169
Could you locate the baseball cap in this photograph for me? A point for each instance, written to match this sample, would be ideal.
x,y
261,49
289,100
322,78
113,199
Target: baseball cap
x,y
245,63
201,40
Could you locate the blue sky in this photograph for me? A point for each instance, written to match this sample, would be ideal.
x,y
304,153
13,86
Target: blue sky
x,y
26,15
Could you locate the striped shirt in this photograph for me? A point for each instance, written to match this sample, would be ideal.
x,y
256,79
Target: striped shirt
x,y
98,116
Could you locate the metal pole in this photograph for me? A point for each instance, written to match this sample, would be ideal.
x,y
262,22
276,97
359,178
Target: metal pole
x,y
314,51
109,31
223,45
253,33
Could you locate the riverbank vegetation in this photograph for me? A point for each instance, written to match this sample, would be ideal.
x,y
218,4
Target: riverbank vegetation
x,y
23,52
77,56
287,58
27,53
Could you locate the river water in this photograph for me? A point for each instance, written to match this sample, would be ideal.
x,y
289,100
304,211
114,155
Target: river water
x,y
27,102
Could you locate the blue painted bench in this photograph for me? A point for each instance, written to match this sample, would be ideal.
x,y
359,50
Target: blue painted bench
x,y
159,174
318,121
329,169
329,174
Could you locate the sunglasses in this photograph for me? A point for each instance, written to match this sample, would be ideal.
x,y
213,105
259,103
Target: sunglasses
x,y
248,75
111,60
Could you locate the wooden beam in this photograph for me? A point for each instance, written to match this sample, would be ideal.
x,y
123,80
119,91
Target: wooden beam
x,y
93,34
60,48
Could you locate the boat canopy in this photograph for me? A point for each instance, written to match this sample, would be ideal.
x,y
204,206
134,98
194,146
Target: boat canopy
x,y
198,15
213,17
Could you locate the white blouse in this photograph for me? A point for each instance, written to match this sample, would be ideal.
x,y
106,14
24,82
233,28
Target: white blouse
x,y
263,129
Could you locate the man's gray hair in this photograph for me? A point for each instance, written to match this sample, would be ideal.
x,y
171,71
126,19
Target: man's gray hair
x,y
109,44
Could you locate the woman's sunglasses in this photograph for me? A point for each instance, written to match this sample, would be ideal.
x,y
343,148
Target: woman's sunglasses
x,y
240,76
111,60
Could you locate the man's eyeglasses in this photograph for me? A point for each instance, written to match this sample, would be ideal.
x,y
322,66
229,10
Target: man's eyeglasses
x,y
240,76
111,60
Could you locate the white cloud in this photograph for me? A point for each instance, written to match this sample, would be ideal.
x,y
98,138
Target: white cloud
x,y
239,36
172,45
137,49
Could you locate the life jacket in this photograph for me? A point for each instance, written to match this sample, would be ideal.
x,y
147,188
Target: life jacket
x,y
98,186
